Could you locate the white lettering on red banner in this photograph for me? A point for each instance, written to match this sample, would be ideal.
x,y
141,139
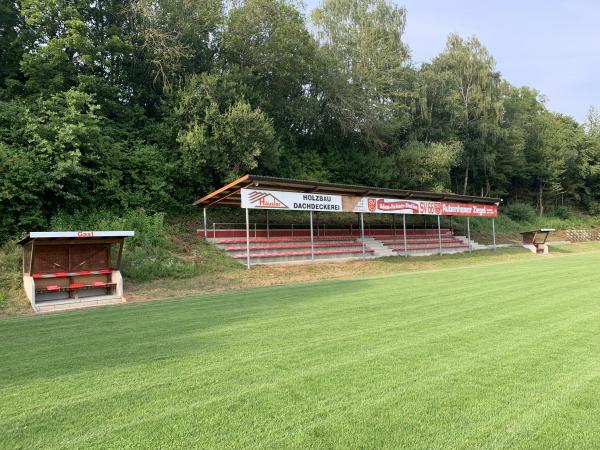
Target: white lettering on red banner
x,y
423,207
468,209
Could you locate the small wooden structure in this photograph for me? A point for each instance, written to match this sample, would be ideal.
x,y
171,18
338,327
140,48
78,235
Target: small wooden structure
x,y
73,269
535,240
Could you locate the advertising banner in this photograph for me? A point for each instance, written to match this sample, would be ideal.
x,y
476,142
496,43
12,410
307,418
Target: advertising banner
x,y
422,207
469,209
296,201
396,206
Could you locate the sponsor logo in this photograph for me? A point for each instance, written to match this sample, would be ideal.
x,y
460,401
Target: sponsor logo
x,y
85,234
372,204
266,200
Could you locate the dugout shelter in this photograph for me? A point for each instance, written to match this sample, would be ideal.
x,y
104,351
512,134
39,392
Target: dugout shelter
x,y
535,240
73,269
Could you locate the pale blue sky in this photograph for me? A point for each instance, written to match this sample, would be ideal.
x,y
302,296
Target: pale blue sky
x,y
551,45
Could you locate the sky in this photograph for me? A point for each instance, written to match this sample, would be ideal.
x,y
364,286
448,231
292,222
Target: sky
x,y
552,46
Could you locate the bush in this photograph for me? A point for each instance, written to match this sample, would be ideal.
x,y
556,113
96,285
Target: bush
x,y
10,274
520,212
562,212
147,255
594,208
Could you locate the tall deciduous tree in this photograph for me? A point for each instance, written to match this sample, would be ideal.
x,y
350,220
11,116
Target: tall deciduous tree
x,y
224,137
369,67
468,87
266,48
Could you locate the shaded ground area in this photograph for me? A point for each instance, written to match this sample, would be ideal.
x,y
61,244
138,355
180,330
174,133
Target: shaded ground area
x,y
500,354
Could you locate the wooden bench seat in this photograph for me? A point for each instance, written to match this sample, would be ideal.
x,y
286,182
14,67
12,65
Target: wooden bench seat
x,y
293,246
302,253
287,239
418,241
72,274
74,287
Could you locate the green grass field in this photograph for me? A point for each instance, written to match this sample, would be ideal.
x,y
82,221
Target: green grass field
x,y
494,356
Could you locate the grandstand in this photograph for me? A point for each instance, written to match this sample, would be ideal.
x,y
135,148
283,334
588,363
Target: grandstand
x,y
267,244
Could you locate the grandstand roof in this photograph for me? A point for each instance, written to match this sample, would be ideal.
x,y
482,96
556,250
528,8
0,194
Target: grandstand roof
x,y
229,195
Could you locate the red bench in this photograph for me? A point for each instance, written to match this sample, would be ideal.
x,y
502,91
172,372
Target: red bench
x,y
303,253
417,241
410,236
292,246
74,287
287,239
72,274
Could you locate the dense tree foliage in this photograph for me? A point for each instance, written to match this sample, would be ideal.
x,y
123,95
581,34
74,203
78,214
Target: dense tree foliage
x,y
150,103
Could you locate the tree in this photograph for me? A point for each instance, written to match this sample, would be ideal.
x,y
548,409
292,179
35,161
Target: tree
x,y
546,156
426,166
369,69
469,90
176,37
12,42
224,137
266,48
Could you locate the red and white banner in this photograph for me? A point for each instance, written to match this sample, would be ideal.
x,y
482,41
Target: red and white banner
x,y
469,209
396,206
299,201
296,201
423,207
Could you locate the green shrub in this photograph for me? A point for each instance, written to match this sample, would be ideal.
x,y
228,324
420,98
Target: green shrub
x,y
594,208
148,263
10,273
147,255
562,212
520,212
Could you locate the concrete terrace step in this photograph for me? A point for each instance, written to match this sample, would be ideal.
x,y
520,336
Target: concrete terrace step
x,y
303,253
64,305
341,244
268,251
430,246
279,240
379,249
417,241
253,247
411,236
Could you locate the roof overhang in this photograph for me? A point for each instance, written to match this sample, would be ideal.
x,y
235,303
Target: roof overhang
x,y
229,195
50,235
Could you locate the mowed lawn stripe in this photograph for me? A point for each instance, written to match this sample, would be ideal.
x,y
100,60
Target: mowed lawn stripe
x,y
481,356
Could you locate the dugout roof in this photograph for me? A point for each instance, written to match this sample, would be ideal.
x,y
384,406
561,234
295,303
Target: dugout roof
x,y
229,195
66,236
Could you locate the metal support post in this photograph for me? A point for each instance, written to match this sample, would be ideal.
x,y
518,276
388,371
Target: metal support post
x,y
268,233
494,231
405,238
469,234
362,233
312,241
247,240
440,234
205,226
